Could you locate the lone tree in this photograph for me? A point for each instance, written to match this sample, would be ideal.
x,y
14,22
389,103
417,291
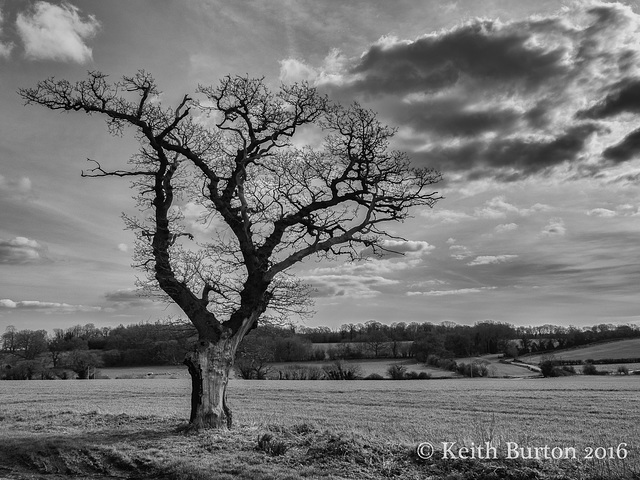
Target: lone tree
x,y
268,202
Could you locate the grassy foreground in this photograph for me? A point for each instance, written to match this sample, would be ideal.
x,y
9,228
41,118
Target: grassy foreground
x,y
326,430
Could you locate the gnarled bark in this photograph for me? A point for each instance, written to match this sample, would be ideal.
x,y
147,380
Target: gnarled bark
x,y
209,365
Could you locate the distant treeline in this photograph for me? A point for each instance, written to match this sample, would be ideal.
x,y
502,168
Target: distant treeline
x,y
77,350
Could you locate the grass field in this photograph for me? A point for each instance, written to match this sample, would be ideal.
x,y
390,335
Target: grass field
x,y
629,348
366,367
313,429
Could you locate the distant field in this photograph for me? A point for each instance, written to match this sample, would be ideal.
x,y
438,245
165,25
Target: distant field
x,y
616,349
379,366
331,429
366,366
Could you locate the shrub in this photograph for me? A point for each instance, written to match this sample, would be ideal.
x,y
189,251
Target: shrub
x,y
297,372
550,368
589,369
623,370
374,376
396,371
473,369
413,375
547,368
340,370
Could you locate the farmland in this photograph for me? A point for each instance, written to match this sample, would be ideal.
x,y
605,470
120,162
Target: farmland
x,y
629,348
325,429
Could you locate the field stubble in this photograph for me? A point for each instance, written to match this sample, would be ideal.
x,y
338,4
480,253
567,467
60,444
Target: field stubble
x,y
134,422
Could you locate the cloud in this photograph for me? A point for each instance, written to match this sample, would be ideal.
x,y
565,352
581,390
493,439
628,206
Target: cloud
x,y
508,227
460,252
505,100
19,188
198,219
5,48
491,259
408,247
21,251
624,96
482,49
446,216
45,307
555,227
56,32
442,293
627,149
126,297
601,212
348,285
625,210
370,266
293,70
498,207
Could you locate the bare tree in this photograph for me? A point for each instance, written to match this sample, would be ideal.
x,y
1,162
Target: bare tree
x,y
270,203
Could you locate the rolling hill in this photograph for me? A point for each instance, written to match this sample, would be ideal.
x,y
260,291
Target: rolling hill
x,y
618,349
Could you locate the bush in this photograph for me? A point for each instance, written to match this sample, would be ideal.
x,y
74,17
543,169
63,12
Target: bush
x,y
297,372
589,369
547,368
623,370
374,376
413,375
473,369
340,370
444,363
396,371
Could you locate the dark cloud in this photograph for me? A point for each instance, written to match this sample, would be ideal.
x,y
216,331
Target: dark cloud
x,y
507,99
483,49
126,297
451,117
627,149
624,97
509,159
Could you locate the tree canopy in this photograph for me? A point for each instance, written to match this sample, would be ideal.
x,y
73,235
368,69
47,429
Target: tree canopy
x,y
273,202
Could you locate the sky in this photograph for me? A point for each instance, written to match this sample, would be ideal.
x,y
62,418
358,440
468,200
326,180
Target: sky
x,y
529,110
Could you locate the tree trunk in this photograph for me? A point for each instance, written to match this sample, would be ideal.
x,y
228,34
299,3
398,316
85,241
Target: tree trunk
x,y
209,366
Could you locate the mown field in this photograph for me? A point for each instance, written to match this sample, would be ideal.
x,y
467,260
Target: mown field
x,y
629,348
317,429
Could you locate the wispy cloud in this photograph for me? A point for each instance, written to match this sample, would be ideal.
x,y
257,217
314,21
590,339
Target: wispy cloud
x,y
498,207
15,187
459,291
56,32
506,227
491,259
125,298
5,47
348,285
45,307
